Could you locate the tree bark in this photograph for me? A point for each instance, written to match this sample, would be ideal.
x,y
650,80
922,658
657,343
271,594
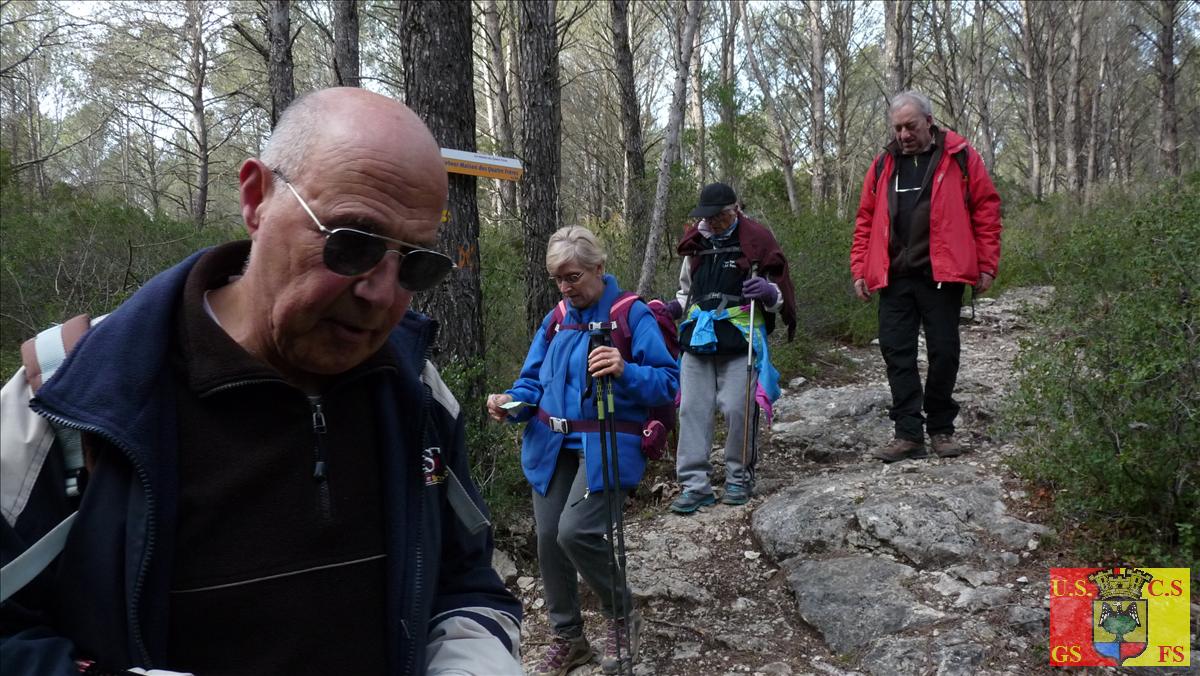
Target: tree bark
x,y
1051,131
697,112
198,72
727,149
636,216
1168,115
683,59
540,144
279,58
1089,185
1032,79
898,44
1071,126
433,43
982,103
500,103
816,36
786,156
345,43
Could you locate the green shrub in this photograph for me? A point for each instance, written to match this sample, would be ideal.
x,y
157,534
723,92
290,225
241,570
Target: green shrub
x,y
1108,405
75,253
818,251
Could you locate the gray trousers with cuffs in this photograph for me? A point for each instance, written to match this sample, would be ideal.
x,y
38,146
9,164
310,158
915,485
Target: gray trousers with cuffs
x,y
708,383
572,538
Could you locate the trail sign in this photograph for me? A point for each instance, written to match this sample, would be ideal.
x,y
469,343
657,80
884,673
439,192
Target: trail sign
x,y
478,164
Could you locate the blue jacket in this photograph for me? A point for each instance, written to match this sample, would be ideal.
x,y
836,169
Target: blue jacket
x,y
554,377
105,597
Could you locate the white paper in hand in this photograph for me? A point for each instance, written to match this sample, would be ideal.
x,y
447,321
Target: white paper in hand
x,y
514,405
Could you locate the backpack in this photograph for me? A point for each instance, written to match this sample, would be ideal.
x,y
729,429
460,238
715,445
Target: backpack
x,y
661,419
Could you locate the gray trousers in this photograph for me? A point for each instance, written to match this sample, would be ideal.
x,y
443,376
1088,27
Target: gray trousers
x,y
572,537
708,383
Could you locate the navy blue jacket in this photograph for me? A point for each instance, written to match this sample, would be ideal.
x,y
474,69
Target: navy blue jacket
x,y
105,597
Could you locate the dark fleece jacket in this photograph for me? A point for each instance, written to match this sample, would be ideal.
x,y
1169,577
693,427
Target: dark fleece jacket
x,y
758,245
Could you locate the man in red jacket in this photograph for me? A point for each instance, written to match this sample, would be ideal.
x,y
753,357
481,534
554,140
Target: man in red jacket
x,y
928,223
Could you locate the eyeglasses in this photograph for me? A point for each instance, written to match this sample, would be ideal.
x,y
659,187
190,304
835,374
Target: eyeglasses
x,y
351,252
571,279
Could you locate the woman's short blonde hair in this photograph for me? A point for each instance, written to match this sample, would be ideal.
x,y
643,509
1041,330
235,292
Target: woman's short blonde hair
x,y
574,243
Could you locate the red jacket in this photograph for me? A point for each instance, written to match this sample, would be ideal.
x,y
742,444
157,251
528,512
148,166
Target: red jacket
x,y
961,244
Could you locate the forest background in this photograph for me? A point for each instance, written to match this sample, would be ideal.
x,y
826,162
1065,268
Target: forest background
x,y
122,126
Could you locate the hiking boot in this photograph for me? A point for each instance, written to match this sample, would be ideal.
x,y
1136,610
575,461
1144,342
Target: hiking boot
x,y
564,655
690,501
945,446
901,449
609,664
736,494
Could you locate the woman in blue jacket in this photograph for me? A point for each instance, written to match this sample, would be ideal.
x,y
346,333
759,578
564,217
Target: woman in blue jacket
x,y
561,452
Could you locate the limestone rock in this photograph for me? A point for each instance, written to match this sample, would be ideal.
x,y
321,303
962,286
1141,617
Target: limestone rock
x,y
852,600
505,567
1031,621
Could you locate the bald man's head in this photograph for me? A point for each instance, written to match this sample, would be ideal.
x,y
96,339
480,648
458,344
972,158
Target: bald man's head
x,y
339,118
339,159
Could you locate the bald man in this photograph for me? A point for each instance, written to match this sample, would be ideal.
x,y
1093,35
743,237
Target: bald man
x,y
277,481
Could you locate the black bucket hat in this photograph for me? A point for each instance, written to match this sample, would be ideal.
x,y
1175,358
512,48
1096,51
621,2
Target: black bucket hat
x,y
713,198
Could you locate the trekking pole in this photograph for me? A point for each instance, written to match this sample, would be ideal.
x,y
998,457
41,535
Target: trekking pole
x,y
619,507
598,340
750,384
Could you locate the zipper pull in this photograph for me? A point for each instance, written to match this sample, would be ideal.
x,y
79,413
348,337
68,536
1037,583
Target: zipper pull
x,y
318,418
319,428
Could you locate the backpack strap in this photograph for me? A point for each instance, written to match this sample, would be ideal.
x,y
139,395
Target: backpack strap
x,y
41,356
29,563
878,166
556,317
44,353
961,158
622,335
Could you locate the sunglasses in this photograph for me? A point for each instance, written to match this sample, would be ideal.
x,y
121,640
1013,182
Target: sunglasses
x,y
351,252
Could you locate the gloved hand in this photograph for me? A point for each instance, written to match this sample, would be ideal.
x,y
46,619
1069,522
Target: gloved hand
x,y
676,309
759,289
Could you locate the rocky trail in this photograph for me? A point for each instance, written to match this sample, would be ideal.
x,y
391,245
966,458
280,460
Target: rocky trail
x,y
841,564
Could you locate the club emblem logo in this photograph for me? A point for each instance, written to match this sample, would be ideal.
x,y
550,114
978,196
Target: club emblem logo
x,y
1120,616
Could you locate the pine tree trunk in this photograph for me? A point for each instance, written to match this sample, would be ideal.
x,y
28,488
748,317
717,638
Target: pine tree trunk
x,y
500,103
279,59
658,218
1051,130
816,35
540,145
345,39
786,156
432,44
1032,79
637,218
1168,115
197,72
1094,133
986,146
726,150
890,50
1071,128
697,112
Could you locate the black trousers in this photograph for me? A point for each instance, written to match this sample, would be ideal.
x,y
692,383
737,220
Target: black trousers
x,y
905,306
